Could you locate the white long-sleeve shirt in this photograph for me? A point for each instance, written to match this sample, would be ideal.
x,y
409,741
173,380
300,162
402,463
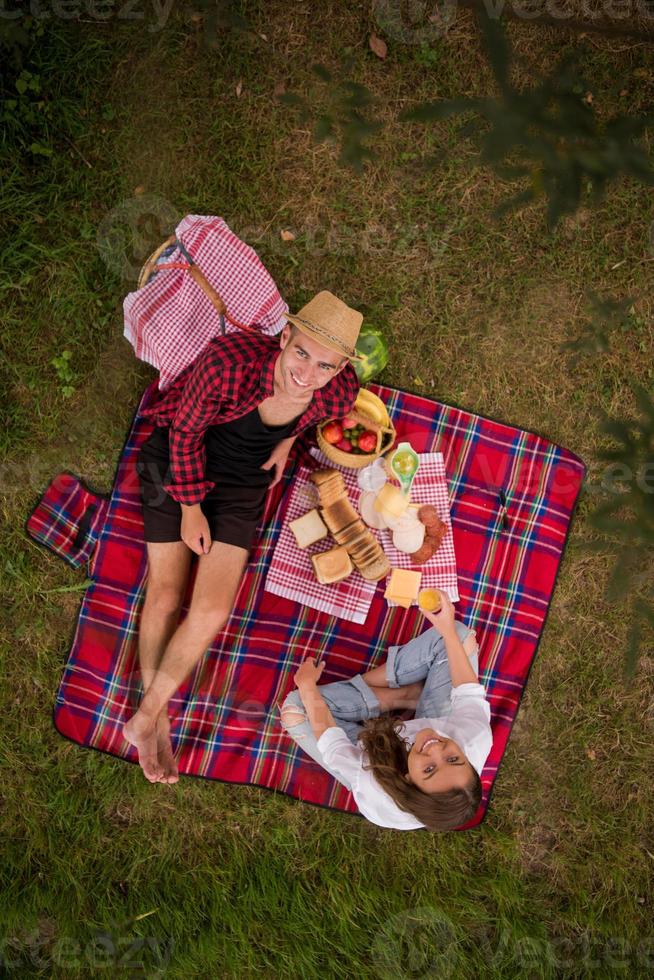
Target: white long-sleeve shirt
x,y
468,724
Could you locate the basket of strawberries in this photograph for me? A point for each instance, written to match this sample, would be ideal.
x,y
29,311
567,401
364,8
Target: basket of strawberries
x,y
361,437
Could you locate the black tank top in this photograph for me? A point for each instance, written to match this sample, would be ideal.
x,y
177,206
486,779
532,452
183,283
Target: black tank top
x,y
236,450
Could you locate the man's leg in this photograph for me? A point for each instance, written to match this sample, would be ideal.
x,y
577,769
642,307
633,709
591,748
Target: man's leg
x,y
218,577
168,569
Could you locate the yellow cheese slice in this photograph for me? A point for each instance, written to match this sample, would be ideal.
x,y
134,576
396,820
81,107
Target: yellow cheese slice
x,y
390,500
404,583
399,600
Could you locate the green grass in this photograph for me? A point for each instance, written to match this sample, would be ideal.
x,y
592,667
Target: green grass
x,y
234,881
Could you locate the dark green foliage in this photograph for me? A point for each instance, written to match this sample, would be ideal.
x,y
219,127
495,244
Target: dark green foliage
x,y
218,19
15,36
607,316
342,114
625,517
547,137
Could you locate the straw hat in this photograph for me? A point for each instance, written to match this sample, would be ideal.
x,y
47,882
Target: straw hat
x,y
330,322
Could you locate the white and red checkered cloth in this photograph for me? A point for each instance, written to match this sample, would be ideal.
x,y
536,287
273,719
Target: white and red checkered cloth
x,y
291,572
171,320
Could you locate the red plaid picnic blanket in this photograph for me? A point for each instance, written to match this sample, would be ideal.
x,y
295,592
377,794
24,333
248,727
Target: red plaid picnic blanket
x,y
170,320
512,498
291,572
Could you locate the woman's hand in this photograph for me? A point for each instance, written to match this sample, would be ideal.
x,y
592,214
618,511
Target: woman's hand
x,y
308,673
443,620
195,529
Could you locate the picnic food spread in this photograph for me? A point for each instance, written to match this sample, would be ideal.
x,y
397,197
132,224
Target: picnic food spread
x,y
385,529
415,530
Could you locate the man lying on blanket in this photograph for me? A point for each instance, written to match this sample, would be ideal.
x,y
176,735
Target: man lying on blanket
x,y
223,432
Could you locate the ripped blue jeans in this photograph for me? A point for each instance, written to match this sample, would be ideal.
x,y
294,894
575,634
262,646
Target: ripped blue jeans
x,y
352,702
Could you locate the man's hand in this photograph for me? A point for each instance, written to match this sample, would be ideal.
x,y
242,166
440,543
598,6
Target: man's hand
x,y
277,459
443,620
308,673
195,529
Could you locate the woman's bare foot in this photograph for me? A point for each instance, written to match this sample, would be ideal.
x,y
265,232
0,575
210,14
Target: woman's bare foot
x,y
142,734
165,750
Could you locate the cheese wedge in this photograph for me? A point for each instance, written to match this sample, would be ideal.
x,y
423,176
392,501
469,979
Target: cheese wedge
x,y
391,501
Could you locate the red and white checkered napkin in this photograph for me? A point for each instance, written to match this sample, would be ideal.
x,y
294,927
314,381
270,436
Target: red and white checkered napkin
x,y
170,320
430,487
291,572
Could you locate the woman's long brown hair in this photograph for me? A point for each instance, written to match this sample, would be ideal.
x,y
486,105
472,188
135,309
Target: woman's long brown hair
x,y
387,760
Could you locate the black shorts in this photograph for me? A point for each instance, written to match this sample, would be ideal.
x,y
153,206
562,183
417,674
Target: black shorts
x,y
233,511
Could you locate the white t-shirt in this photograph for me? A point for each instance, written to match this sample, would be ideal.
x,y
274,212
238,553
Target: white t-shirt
x,y
468,724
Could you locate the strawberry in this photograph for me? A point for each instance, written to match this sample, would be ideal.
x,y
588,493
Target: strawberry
x,y
367,442
332,432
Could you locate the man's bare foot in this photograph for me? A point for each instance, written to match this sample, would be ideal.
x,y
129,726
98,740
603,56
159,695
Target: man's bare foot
x,y
142,734
165,750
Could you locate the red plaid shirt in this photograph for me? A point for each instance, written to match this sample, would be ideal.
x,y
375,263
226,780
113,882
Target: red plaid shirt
x,y
231,376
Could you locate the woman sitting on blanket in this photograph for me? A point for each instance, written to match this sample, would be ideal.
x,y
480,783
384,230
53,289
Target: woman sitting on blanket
x,y
407,775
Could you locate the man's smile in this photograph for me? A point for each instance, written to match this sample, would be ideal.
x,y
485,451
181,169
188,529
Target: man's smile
x,y
300,384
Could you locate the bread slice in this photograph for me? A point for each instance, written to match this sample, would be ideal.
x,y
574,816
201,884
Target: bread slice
x,y
348,533
366,552
359,541
331,496
376,569
340,515
332,488
321,476
308,529
332,566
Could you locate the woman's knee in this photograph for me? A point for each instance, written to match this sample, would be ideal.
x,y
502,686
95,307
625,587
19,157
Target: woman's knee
x,y
470,644
291,712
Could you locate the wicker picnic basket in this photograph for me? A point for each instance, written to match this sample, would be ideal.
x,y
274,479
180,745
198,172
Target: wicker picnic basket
x,y
152,265
356,461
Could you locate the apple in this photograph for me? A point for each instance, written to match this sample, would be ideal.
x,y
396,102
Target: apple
x,y
344,445
367,442
332,433
349,423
